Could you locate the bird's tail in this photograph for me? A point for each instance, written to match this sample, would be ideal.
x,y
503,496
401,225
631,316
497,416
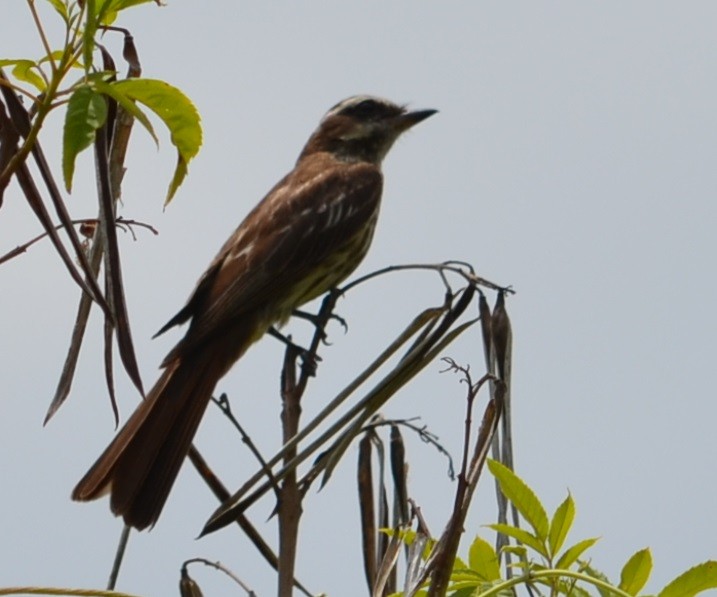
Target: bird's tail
x,y
139,467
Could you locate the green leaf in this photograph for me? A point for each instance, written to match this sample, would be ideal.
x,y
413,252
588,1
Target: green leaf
x,y
521,535
522,497
694,581
88,34
24,70
61,8
177,112
636,571
483,559
518,550
111,8
464,592
55,56
86,112
465,575
573,553
560,524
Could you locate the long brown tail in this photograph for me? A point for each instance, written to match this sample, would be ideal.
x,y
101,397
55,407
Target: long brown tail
x,y
139,467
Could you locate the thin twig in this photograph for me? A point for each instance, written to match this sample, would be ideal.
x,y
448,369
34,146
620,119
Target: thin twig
x,y
423,433
219,566
456,267
121,223
222,494
223,403
40,29
119,556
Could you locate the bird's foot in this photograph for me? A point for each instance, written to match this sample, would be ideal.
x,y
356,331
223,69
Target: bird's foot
x,y
318,324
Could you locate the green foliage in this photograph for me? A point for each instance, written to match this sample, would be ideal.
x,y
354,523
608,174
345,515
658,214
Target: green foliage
x,y
178,114
86,112
44,81
523,498
25,70
549,568
696,580
483,560
636,571
560,524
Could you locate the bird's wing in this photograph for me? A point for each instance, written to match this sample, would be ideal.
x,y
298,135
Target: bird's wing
x,y
311,215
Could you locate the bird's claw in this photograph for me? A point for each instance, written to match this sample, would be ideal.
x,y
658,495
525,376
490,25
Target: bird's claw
x,y
318,324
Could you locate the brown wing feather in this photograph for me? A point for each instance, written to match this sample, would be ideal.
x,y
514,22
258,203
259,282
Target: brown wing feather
x,y
295,230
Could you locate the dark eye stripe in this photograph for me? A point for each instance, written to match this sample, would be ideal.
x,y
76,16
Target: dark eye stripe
x,y
366,109
371,109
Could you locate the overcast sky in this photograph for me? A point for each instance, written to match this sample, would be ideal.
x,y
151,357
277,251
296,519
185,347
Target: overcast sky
x,y
573,158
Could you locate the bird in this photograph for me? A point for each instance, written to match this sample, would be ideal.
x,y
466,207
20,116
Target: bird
x,y
306,236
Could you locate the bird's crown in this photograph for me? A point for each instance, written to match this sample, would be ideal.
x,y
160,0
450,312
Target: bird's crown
x,y
365,108
362,128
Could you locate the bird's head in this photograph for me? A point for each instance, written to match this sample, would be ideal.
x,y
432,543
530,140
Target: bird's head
x,y
362,128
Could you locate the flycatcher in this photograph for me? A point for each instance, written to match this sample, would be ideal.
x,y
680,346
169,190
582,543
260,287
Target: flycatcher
x,y
303,239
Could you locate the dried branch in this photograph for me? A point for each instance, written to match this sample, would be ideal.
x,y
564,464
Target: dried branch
x,y
218,566
87,227
441,561
251,532
243,498
462,268
423,433
117,140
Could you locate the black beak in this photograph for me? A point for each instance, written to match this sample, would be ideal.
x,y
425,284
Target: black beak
x,y
409,119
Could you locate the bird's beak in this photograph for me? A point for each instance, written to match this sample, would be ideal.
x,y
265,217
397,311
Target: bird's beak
x,y
409,119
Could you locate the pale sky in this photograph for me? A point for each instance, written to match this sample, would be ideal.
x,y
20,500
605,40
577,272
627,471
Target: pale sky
x,y
572,158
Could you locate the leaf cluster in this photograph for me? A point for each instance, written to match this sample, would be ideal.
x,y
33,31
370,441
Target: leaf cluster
x,y
546,565
100,109
88,97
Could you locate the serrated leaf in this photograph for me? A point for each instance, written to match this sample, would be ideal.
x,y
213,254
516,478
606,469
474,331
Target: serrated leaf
x,y
522,497
86,112
525,537
560,524
177,112
694,581
483,559
571,554
636,571
128,104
